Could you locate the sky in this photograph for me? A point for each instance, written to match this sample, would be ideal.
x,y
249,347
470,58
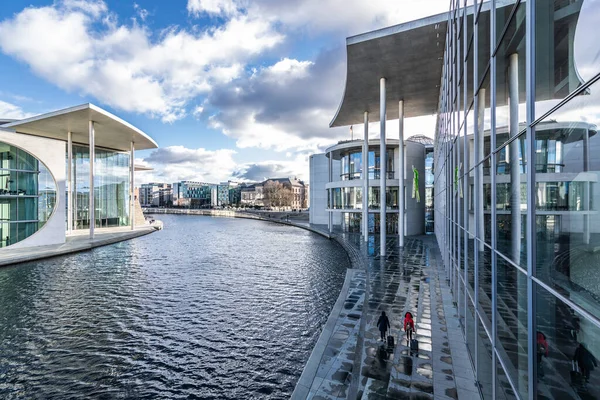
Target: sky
x,y
236,90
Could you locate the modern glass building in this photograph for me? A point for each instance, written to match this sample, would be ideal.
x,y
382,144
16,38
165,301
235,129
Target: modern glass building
x,y
66,171
516,181
514,86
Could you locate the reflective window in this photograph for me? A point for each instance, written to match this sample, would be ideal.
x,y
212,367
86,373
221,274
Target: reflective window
x,y
27,194
111,188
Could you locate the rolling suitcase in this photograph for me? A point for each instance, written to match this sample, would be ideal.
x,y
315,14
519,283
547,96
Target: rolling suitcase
x,y
390,341
414,345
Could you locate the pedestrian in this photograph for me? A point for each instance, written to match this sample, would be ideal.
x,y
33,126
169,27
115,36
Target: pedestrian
x,y
409,325
542,351
585,360
383,324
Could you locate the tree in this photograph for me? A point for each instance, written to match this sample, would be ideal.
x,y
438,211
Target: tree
x,y
275,194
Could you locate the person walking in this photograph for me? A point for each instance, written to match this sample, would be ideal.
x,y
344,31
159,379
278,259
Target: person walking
x,y
585,360
409,326
383,324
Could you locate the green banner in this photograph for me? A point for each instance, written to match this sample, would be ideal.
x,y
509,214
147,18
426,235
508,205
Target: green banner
x,y
415,192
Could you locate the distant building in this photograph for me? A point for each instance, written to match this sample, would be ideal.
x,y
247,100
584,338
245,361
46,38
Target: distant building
x,y
226,193
298,188
156,195
251,195
195,194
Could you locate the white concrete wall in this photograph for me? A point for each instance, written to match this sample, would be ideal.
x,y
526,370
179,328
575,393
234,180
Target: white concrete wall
x,y
318,193
415,212
53,154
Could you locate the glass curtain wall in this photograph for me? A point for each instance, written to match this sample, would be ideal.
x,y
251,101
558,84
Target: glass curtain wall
x,y
27,195
517,168
111,188
352,165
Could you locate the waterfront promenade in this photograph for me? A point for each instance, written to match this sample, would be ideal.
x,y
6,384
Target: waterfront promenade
x,y
76,242
351,362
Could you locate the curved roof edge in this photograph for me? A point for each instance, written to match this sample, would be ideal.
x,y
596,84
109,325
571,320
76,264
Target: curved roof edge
x,y
111,131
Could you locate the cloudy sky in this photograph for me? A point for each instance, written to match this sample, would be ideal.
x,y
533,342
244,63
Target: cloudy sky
x,y
230,89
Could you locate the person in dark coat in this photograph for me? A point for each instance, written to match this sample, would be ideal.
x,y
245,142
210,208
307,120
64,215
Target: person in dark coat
x,y
542,351
383,324
585,361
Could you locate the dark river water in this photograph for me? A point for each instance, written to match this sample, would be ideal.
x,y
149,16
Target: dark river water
x,y
210,308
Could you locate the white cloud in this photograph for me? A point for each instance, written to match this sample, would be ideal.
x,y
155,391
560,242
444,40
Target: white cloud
x,y
347,16
197,7
141,12
121,65
175,163
11,111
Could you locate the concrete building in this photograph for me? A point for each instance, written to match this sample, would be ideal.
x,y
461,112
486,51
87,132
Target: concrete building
x,y
339,200
67,170
515,90
156,195
251,195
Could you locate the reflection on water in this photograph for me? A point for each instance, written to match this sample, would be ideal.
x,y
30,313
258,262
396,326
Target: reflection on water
x,y
207,308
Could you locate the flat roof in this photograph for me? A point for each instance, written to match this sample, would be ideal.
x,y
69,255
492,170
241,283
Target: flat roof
x,y
409,56
111,131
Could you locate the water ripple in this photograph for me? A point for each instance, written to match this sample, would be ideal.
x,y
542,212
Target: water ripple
x,y
207,308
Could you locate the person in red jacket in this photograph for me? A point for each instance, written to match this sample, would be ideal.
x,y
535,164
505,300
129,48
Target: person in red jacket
x,y
542,351
409,325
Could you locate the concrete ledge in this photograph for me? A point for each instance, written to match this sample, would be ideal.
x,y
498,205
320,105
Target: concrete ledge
x,y
236,214
304,384
74,244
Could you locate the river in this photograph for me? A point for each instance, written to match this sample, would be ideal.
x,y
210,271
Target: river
x,y
210,308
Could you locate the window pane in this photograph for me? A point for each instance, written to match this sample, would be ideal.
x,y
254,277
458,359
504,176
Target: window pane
x,y
567,222
512,321
511,201
560,333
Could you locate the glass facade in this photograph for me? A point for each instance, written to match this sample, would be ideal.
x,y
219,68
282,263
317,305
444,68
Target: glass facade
x,y
111,188
517,166
352,165
27,194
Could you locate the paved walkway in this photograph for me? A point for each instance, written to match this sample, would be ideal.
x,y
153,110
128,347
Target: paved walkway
x,y
409,280
79,241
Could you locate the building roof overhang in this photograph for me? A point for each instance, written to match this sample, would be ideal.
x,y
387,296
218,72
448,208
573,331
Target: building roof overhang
x,y
409,56
110,131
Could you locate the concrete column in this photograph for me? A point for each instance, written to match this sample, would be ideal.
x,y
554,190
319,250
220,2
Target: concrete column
x,y
69,182
382,165
365,176
515,168
586,189
92,155
132,187
329,174
401,169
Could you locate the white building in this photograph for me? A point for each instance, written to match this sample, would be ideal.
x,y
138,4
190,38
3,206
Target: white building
x,y
51,163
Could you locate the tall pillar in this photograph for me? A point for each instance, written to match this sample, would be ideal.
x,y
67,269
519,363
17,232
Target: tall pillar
x,y
586,187
132,187
92,154
479,225
401,169
382,167
365,176
515,168
69,182
329,175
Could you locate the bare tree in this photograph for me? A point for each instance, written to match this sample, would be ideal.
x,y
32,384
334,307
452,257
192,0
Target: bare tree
x,y
277,195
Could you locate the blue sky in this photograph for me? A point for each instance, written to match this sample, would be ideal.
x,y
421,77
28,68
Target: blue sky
x,y
230,89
